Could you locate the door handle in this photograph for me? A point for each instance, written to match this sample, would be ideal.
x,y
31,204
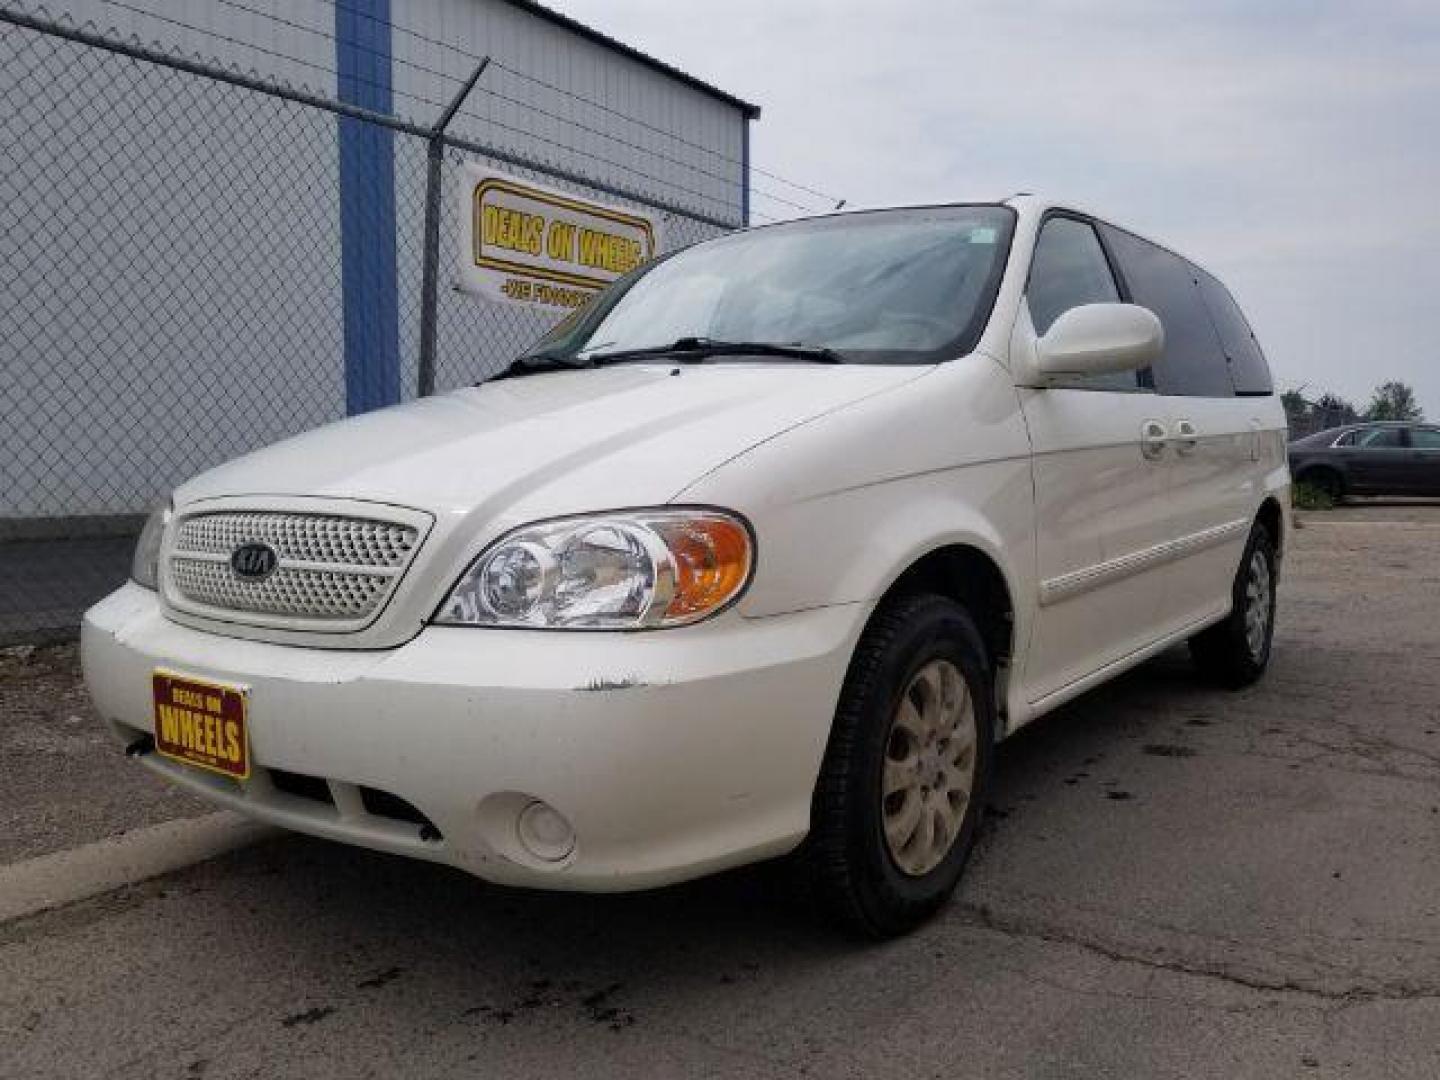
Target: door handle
x,y
1187,437
1152,439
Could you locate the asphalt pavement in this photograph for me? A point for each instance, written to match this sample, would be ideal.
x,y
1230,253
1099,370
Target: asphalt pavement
x,y
45,585
1175,881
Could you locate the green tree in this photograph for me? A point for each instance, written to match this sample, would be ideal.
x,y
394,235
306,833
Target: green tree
x,y
1294,403
1394,401
1335,410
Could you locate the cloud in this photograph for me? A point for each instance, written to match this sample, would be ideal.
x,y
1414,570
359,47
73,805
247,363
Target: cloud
x,y
1287,146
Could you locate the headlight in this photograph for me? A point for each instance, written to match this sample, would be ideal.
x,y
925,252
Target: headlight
x,y
145,565
622,571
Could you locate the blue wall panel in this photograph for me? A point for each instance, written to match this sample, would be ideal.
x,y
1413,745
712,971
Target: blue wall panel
x,y
367,208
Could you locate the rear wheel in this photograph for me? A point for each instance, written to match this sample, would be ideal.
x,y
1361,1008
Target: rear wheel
x,y
905,775
1236,651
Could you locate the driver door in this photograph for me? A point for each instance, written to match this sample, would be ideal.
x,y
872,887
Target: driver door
x,y
1379,460
1102,476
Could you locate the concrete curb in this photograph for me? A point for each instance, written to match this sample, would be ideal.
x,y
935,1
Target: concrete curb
x,y
65,877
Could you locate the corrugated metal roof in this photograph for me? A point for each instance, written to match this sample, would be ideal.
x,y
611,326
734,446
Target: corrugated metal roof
x,y
751,112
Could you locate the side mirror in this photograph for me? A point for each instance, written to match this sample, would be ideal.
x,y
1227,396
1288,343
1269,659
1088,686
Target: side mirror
x,y
1095,339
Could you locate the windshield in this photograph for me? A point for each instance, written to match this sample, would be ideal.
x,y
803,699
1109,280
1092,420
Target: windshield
x,y
893,286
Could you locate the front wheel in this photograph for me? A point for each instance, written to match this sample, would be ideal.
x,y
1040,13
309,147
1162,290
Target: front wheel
x,y
1236,651
905,774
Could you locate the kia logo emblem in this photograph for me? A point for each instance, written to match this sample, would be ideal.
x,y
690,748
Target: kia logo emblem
x,y
254,561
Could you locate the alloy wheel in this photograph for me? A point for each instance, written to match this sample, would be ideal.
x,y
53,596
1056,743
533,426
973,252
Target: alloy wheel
x,y
929,770
1258,585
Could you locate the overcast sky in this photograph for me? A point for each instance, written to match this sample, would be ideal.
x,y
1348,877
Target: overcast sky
x,y
1291,147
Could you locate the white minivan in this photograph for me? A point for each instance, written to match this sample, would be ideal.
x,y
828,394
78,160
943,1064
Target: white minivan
x,y
758,554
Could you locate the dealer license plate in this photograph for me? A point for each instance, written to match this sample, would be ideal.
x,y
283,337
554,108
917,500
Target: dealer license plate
x,y
202,723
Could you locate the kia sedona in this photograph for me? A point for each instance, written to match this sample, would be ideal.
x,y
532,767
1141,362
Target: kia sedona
x,y
757,555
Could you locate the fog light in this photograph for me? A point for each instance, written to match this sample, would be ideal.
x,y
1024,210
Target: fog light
x,y
544,832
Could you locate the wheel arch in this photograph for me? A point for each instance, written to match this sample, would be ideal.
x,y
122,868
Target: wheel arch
x,y
1272,516
972,578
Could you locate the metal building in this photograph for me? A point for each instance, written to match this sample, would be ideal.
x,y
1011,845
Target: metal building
x,y
223,222
193,269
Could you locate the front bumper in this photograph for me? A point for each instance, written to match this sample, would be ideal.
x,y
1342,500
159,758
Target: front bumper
x,y
672,753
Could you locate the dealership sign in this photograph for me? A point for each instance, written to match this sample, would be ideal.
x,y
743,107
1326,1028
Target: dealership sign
x,y
529,244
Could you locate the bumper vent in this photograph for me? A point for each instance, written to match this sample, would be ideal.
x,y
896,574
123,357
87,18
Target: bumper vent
x,y
331,572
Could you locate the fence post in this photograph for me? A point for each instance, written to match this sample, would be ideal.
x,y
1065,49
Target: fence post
x,y
430,257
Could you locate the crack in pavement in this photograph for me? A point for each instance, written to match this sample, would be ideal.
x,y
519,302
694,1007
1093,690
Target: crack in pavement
x,y
987,918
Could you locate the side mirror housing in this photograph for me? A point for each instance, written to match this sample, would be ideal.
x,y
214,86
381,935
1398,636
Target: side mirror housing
x,y
1096,339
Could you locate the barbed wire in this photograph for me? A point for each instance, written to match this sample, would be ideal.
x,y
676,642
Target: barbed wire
x,y
715,200
236,5
287,57
474,58
528,107
498,95
440,105
831,200
633,170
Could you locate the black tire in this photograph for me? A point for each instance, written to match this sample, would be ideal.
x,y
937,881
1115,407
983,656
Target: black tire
x,y
1226,653
846,858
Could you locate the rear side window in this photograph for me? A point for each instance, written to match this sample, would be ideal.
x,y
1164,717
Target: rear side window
x,y
1248,371
1424,438
1193,364
1070,269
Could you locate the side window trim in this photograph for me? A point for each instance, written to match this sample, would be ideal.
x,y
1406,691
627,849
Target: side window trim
x,y
1144,378
1146,375
1080,219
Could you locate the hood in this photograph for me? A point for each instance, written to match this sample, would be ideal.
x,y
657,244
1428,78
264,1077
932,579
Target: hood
x,y
521,449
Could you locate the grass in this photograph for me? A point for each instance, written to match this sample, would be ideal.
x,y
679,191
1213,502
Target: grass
x,y
1310,497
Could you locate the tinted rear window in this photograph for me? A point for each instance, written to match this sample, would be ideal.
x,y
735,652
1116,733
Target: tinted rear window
x,y
1248,371
1193,364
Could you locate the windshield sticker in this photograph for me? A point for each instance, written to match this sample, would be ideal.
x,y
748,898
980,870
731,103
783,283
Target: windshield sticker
x,y
528,244
984,235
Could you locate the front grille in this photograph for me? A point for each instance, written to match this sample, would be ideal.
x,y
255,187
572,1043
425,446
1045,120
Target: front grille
x,y
334,572
295,593
312,538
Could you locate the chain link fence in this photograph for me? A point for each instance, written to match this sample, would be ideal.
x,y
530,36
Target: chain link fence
x,y
173,279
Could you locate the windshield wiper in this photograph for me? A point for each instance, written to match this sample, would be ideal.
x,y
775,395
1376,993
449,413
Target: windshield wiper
x,y
693,350
687,350
536,363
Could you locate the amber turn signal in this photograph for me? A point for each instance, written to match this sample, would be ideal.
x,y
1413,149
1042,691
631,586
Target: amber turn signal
x,y
712,557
